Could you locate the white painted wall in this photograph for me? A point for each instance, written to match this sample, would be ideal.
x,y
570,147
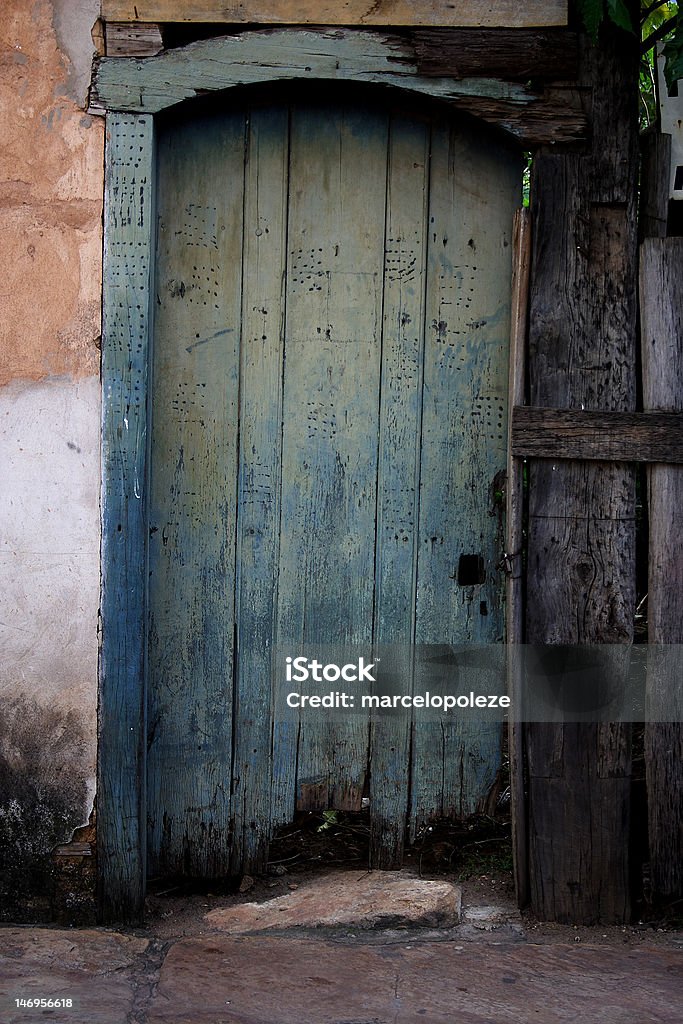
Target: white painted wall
x,y
49,546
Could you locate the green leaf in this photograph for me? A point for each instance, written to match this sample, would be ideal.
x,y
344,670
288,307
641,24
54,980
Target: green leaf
x,y
619,14
331,818
656,18
673,52
592,12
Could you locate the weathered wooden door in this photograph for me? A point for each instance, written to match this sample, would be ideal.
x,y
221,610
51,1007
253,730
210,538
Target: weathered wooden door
x,y
328,429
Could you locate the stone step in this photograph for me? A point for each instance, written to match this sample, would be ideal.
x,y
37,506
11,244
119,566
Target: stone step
x,y
349,899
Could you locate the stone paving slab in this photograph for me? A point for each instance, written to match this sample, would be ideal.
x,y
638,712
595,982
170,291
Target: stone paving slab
x,y
372,978
352,899
282,980
91,966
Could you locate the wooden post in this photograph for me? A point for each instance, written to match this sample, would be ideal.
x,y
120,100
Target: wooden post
x,y
661,298
581,546
514,619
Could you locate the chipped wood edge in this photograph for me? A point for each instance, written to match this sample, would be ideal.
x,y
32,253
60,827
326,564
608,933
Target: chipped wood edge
x,y
223,62
152,84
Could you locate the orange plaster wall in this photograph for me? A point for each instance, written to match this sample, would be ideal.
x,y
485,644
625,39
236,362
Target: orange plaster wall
x,y
51,158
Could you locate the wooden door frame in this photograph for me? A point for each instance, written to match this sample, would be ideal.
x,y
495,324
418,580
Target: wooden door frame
x,y
132,92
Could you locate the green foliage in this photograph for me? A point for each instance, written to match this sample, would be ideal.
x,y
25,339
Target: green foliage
x,y
673,52
656,20
526,179
618,12
592,13
659,20
647,92
653,16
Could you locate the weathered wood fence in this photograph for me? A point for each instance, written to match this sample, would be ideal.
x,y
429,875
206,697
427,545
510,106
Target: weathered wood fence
x,y
581,516
655,437
582,436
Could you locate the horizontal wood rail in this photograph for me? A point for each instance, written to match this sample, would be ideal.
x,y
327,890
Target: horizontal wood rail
x,y
488,13
581,434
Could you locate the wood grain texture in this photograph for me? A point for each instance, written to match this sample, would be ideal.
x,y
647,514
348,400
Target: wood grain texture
x,y
132,39
264,258
121,783
330,418
655,172
403,335
474,189
581,578
550,55
211,65
193,488
580,434
660,281
610,71
491,13
661,293
295,489
514,541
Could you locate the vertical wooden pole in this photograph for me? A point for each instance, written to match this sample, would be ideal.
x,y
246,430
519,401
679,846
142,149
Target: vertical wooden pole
x,y
581,543
514,624
661,299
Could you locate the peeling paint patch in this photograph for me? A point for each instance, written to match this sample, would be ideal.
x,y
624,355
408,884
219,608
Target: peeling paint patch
x,y
73,21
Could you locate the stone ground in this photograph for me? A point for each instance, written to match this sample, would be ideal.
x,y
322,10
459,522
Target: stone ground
x,y
344,947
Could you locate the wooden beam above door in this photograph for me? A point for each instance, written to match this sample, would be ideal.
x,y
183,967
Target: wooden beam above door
x,y
444,13
549,115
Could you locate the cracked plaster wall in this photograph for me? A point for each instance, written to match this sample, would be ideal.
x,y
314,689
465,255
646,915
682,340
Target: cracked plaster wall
x,y
51,182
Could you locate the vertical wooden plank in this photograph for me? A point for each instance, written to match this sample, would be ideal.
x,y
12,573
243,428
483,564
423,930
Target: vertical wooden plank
x,y
475,187
581,540
125,332
655,173
399,463
193,492
581,544
265,222
661,306
330,414
514,539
